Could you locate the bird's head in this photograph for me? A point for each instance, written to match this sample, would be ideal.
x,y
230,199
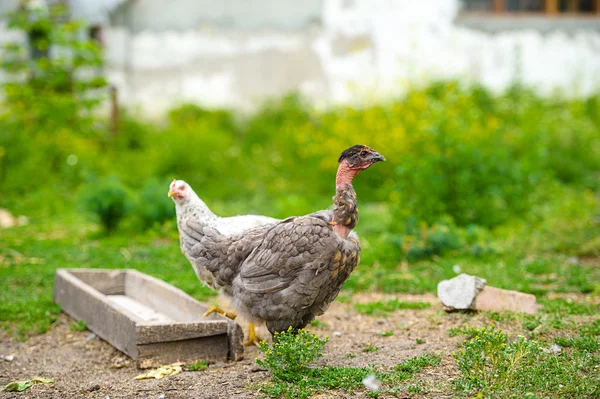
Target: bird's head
x,y
179,190
353,160
360,157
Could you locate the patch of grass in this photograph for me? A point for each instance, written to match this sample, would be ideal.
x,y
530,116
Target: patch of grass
x,y
488,362
469,331
323,379
380,308
415,389
583,343
531,322
289,356
500,317
318,324
423,275
420,341
388,333
370,348
417,363
287,360
79,326
591,328
198,366
495,366
562,306
350,355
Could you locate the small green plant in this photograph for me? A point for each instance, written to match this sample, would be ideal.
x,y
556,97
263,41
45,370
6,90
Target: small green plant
x,y
152,205
107,199
531,322
370,348
319,324
591,328
563,306
488,362
380,308
499,317
468,331
420,341
79,326
414,389
198,366
417,363
388,333
291,353
350,355
583,343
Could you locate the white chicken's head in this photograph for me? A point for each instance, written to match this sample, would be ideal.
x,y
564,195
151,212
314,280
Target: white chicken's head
x,y
179,190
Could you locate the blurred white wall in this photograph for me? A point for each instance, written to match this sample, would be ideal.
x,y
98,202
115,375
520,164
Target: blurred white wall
x,y
236,53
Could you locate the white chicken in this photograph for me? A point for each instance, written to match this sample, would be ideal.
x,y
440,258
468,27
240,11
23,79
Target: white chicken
x,y
189,205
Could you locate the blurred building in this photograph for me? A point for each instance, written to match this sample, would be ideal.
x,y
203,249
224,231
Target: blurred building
x,y
238,52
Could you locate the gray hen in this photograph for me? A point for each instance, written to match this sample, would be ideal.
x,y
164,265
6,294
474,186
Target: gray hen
x,y
288,272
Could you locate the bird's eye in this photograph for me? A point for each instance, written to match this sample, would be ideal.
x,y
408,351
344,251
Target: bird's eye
x,y
182,188
363,153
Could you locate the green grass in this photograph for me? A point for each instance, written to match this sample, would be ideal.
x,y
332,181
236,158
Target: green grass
x,y
380,308
198,366
79,326
585,344
468,331
288,359
417,363
388,333
370,348
498,366
505,270
561,306
318,324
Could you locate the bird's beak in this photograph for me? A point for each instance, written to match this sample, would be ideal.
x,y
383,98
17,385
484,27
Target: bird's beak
x,y
376,157
171,193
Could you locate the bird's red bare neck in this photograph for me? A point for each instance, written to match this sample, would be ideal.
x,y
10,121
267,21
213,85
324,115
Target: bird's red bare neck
x,y
344,174
345,212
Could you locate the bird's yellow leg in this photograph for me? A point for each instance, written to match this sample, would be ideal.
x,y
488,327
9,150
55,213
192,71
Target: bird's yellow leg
x,y
253,339
215,309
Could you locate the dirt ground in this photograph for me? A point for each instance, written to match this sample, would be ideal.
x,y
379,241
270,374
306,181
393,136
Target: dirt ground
x,y
80,363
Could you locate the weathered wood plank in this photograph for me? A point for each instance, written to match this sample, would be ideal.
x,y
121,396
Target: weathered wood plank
x,y
108,282
214,348
165,298
164,332
177,304
146,318
83,302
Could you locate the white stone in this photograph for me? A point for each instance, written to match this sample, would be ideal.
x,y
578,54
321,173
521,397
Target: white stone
x,y
371,382
461,291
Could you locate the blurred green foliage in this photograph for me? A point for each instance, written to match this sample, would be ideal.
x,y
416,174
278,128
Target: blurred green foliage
x,y
107,199
468,172
54,85
464,168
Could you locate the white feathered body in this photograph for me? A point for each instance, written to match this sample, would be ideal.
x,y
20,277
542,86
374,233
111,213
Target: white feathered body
x,y
193,207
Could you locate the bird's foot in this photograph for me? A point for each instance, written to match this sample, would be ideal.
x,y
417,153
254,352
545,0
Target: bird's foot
x,y
253,339
215,309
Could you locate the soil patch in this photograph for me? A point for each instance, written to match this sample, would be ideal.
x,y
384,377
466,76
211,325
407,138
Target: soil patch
x,y
80,363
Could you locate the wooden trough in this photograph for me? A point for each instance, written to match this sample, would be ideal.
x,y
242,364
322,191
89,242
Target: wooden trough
x,y
149,320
